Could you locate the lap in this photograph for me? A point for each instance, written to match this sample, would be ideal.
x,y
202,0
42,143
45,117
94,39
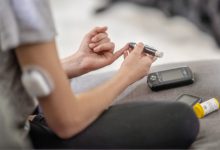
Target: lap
x,y
131,125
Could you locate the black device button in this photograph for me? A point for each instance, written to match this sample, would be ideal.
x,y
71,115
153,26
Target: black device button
x,y
153,77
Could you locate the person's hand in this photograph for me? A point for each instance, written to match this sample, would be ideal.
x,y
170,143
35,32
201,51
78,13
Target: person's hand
x,y
96,51
136,64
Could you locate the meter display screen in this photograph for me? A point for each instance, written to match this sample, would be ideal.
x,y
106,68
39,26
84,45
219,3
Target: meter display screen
x,y
172,75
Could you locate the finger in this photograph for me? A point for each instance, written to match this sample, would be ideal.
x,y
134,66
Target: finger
x,y
127,49
96,30
123,50
130,50
119,53
93,45
149,60
101,29
105,47
138,48
126,53
153,58
98,37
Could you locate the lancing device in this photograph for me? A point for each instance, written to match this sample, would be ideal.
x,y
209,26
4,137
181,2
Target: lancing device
x,y
149,50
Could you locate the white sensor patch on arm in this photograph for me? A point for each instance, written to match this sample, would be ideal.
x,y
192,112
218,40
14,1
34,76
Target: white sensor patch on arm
x,y
37,82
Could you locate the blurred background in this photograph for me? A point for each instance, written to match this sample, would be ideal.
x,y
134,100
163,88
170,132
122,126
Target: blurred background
x,y
179,38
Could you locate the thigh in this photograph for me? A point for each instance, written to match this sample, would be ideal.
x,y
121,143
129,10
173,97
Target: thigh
x,y
131,125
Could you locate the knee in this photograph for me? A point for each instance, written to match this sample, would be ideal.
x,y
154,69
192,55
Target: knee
x,y
187,127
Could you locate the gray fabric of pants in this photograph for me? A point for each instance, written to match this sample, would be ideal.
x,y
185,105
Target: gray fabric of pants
x,y
207,85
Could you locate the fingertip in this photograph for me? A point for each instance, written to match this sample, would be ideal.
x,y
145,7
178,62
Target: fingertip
x,y
101,29
140,44
127,45
105,27
91,45
96,49
139,48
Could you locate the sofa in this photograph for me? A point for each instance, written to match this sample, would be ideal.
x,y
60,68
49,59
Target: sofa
x,y
206,85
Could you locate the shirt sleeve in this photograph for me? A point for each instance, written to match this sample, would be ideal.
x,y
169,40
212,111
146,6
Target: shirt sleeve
x,y
25,22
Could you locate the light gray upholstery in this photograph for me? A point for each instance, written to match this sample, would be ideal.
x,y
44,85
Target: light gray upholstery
x,y
207,85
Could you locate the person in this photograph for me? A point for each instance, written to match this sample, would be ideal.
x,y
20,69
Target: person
x,y
85,120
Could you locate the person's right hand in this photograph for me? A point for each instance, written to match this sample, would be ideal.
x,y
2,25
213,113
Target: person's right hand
x,y
136,64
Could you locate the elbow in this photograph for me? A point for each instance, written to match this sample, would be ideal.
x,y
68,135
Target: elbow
x,y
66,130
64,133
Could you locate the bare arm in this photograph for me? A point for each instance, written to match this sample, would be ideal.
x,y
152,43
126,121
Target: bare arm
x,y
66,113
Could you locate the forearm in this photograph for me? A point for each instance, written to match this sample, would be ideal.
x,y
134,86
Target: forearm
x,y
75,114
65,113
100,98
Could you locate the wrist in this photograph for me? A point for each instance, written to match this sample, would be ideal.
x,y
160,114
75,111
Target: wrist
x,y
72,65
127,75
122,78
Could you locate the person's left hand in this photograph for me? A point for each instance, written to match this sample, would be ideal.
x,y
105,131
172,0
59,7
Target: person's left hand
x,y
96,51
